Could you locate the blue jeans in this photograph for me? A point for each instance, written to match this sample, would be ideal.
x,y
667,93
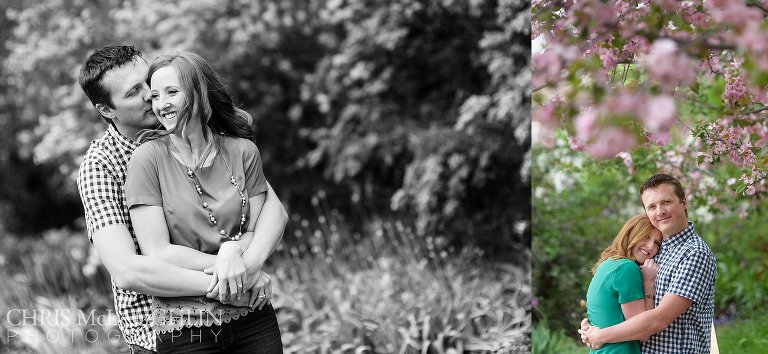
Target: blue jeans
x,y
256,332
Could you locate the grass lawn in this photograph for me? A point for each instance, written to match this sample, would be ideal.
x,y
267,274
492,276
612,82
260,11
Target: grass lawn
x,y
743,336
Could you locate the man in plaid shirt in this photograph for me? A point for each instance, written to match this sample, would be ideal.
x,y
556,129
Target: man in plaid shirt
x,y
115,80
684,300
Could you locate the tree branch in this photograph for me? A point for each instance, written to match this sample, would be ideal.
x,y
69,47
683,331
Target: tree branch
x,y
757,5
764,108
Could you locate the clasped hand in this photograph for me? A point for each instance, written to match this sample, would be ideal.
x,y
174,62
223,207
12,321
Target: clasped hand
x,y
586,331
234,284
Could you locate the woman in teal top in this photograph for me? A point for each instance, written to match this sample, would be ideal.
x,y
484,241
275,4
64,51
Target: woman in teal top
x,y
619,290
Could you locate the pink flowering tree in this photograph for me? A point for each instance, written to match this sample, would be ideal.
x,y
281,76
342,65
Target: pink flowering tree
x,y
681,84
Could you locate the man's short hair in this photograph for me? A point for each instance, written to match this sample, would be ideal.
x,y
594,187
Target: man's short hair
x,y
99,63
659,179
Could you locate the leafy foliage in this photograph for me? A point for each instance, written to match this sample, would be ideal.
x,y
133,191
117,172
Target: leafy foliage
x,y
384,294
357,98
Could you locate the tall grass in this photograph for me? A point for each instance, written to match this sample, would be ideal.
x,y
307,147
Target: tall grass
x,y
382,290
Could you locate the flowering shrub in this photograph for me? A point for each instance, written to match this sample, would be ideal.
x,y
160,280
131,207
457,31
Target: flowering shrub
x,y
618,75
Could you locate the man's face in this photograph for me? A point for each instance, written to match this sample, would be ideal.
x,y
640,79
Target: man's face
x,y
665,209
128,89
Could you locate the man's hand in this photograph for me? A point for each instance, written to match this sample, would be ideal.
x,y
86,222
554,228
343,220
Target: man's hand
x,y
228,273
590,335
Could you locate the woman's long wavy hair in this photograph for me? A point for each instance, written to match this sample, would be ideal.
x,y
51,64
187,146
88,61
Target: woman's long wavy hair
x,y
633,232
203,87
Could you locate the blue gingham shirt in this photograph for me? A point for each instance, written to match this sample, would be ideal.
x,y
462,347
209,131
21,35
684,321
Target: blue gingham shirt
x,y
100,182
687,268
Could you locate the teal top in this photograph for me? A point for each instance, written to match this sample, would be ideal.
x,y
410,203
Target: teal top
x,y
616,282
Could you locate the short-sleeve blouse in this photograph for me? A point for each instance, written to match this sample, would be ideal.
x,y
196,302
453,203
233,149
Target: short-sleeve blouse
x,y
616,282
157,178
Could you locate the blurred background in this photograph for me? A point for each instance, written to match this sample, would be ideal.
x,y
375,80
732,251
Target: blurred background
x,y
397,135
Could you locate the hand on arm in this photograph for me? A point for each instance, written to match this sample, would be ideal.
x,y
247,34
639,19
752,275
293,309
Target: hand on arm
x,y
227,285
154,240
143,274
649,271
267,220
228,273
640,326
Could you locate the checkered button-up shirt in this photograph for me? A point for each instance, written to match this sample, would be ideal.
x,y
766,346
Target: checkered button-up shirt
x,y
100,182
687,268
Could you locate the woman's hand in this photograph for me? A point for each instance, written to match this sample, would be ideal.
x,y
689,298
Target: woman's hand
x,y
648,271
228,273
261,292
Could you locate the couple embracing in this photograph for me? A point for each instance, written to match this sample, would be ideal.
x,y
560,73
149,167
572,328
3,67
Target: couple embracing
x,y
177,206
668,304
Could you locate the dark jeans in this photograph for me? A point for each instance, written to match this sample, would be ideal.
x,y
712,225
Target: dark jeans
x,y
137,349
256,332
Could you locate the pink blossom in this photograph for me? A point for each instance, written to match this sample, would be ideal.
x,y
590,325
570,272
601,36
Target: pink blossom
x,y
668,67
707,161
732,12
636,45
575,144
609,57
624,102
597,13
659,138
734,90
546,115
660,114
608,142
719,148
546,137
743,214
745,148
692,15
750,190
668,5
585,124
627,158
546,67
755,39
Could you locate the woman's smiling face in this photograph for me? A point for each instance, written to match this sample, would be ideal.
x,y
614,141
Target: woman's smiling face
x,y
167,96
647,248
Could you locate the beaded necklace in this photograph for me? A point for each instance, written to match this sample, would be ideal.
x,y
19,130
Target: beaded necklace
x,y
198,188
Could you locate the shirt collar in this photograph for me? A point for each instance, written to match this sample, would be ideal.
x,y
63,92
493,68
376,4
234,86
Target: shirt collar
x,y
679,238
121,141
